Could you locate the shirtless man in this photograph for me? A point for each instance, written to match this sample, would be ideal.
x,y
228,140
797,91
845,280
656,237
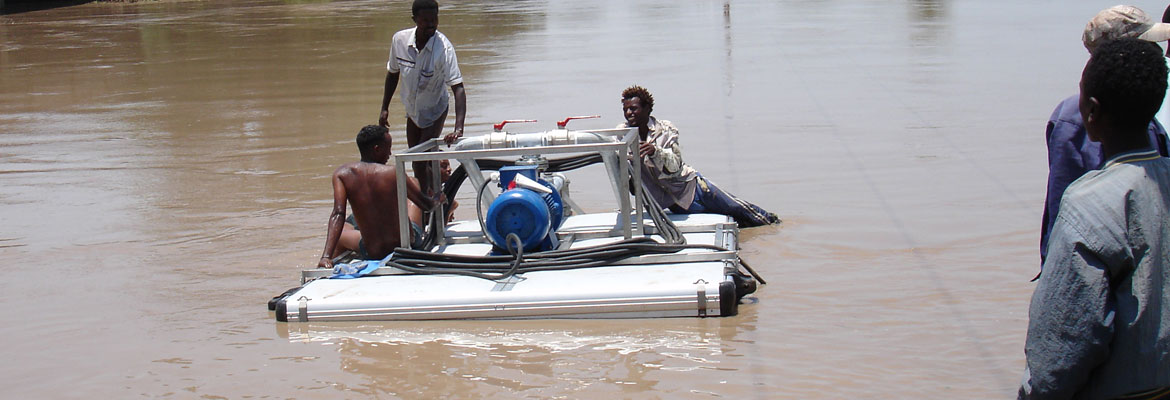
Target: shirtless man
x,y
371,189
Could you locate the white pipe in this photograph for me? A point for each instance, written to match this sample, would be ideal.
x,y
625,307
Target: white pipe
x,y
556,137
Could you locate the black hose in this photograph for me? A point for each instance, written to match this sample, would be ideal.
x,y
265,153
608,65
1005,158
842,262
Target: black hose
x,y
479,212
484,266
666,228
423,262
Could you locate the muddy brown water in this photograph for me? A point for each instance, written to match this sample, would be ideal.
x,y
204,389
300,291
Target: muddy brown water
x,y
164,170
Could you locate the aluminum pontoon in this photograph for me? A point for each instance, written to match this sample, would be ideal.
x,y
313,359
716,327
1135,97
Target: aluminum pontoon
x,y
635,262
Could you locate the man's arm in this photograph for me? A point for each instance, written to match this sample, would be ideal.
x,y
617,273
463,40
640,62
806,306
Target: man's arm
x,y
667,157
1066,162
415,194
460,113
1070,320
336,220
387,94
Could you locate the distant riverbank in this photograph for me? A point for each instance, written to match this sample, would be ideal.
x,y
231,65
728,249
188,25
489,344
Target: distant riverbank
x,y
21,6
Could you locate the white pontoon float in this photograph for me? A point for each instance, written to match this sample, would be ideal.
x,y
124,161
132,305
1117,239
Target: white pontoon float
x,y
533,257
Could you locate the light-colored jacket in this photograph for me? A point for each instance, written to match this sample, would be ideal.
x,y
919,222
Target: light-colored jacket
x,y
667,179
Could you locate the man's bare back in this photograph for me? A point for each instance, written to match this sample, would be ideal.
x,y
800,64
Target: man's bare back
x,y
372,192
370,187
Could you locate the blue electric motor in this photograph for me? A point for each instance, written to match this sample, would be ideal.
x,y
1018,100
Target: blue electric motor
x,y
533,215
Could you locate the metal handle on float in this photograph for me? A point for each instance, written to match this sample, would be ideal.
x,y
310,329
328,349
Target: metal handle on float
x,y
561,124
500,126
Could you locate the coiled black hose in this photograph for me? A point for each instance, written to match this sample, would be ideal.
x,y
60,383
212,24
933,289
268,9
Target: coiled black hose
x,y
423,262
489,267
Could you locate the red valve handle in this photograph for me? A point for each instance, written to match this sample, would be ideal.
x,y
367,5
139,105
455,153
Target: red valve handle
x,y
561,124
500,126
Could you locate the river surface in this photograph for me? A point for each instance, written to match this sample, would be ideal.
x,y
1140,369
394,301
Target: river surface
x,y
164,171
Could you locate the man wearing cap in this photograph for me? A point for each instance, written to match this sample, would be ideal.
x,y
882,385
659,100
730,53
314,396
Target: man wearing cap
x,y
1163,115
1070,152
1099,321
424,61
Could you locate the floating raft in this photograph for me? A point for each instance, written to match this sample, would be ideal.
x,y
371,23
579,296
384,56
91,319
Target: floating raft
x,y
690,283
596,265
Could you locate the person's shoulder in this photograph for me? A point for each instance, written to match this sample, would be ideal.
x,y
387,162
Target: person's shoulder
x,y
1069,110
665,125
384,171
1098,207
347,169
1105,188
443,39
1089,201
402,36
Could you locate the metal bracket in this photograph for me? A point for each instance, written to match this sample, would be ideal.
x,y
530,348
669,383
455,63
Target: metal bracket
x,y
701,289
303,309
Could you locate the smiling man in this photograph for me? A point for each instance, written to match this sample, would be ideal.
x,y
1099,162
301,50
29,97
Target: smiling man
x,y
669,180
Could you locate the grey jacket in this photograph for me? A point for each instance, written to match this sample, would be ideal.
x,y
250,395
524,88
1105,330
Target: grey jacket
x,y
1099,322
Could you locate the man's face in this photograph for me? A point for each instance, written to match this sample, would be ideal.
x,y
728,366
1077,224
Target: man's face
x,y
427,22
636,115
383,154
444,170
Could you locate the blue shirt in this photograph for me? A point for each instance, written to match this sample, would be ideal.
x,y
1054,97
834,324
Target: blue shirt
x,y
1099,322
1071,154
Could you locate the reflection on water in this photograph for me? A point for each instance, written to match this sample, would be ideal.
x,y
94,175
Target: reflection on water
x,y
492,358
164,170
929,19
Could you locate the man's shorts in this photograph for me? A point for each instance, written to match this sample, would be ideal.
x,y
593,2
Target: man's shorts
x,y
417,238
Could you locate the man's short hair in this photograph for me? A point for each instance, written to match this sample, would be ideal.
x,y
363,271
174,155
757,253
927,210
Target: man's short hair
x,y
1128,78
369,136
641,93
420,5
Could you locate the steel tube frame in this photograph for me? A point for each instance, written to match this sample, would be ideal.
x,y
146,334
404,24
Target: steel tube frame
x,y
626,151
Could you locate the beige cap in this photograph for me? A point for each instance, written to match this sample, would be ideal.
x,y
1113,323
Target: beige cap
x,y
1123,22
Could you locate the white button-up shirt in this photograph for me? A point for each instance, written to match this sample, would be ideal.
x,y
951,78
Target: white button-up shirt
x,y
424,75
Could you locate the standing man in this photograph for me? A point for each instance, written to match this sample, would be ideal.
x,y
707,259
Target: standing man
x,y
371,189
424,61
1070,153
1097,325
669,180
1163,115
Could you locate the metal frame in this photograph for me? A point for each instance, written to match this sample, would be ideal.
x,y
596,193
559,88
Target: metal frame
x,y
617,157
